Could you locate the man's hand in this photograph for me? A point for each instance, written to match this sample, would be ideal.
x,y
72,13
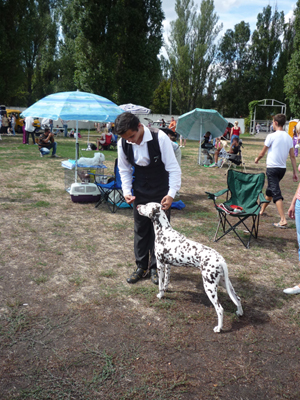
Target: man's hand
x,y
129,199
295,177
166,202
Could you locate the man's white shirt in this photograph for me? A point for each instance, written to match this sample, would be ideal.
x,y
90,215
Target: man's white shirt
x,y
141,157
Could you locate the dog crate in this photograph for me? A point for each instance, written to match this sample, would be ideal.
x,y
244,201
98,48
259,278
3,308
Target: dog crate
x,y
84,193
84,175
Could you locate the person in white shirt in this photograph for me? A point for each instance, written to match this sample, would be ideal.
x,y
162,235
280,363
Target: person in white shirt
x,y
157,178
29,129
279,146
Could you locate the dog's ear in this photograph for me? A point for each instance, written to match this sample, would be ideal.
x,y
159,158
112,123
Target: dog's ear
x,y
155,212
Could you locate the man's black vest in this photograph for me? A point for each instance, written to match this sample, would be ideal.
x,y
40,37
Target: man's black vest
x,y
151,182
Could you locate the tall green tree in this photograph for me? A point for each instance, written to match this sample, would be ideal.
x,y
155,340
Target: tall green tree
x,y
234,64
292,78
117,47
11,41
192,51
287,49
67,47
265,50
38,47
248,67
28,37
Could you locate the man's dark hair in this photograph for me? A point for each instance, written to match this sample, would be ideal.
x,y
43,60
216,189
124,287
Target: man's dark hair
x,y
124,122
46,129
280,119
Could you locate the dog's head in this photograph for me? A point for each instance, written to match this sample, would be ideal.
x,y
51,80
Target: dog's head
x,y
150,210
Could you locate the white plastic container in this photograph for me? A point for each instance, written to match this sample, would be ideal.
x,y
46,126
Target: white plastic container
x,y
84,193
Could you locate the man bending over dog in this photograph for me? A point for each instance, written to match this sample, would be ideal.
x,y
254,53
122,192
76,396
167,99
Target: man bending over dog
x,y
157,179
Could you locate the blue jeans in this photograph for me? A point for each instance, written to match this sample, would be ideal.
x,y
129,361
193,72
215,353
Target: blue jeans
x,y
51,146
297,220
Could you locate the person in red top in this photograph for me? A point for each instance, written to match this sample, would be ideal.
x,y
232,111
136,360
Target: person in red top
x,y
235,131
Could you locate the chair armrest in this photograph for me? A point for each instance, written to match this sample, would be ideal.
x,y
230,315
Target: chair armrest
x,y
213,196
262,199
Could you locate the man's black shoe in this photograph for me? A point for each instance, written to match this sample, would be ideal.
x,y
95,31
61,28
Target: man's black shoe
x,y
154,276
136,275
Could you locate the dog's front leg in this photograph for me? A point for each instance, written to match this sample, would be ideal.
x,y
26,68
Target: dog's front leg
x,y
167,277
161,273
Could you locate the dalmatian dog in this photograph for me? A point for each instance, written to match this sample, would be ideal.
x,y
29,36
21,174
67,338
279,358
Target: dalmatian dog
x,y
172,248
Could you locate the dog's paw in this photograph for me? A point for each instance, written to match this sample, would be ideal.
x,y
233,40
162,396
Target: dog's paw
x,y
160,295
217,329
239,313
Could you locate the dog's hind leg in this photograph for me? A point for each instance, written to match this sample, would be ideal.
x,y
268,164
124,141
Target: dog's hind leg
x,y
161,274
211,289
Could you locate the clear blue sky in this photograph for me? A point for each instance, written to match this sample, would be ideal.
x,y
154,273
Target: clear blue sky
x,y
231,12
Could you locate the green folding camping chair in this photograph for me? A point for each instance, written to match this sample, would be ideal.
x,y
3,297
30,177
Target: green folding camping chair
x,y
242,207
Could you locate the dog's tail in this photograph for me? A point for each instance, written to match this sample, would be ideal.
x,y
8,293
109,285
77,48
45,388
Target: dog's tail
x,y
230,289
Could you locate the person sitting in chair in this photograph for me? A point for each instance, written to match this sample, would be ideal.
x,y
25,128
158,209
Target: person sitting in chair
x,y
102,141
234,149
46,142
206,142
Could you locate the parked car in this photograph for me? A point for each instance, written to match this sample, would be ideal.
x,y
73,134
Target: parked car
x,y
263,127
20,120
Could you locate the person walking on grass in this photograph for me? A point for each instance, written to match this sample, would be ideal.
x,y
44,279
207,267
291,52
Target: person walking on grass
x,y
294,213
279,146
157,178
29,129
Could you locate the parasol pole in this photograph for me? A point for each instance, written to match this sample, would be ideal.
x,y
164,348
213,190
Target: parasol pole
x,y
76,151
88,142
201,130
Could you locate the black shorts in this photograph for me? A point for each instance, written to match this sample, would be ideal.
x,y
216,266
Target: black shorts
x,y
274,176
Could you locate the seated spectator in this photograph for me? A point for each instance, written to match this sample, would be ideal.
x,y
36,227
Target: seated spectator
x,y
46,142
73,134
206,144
56,130
102,140
234,149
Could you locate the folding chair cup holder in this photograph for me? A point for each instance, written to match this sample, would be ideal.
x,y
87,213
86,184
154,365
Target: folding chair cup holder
x,y
245,191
